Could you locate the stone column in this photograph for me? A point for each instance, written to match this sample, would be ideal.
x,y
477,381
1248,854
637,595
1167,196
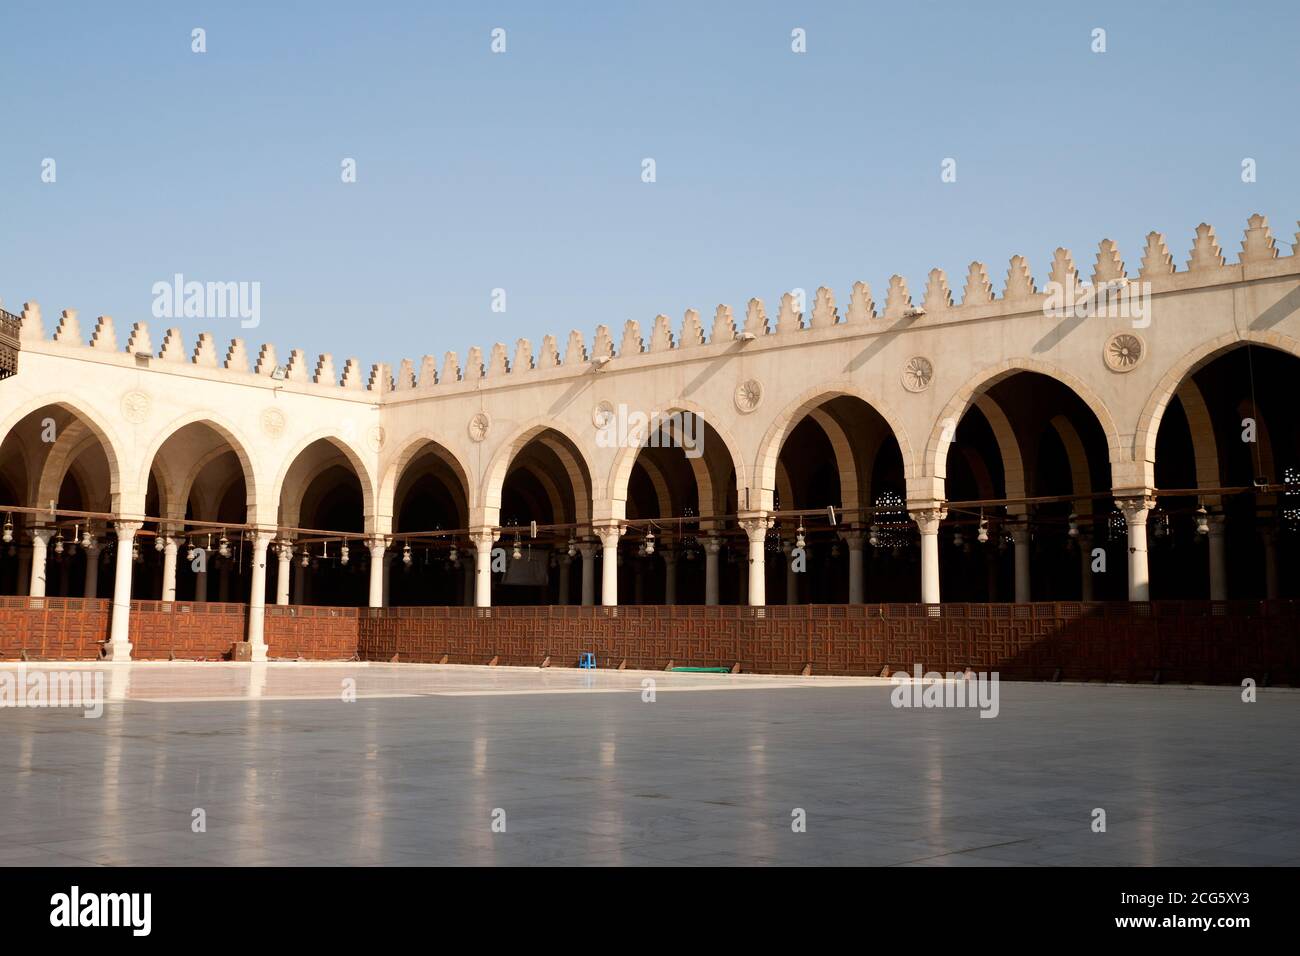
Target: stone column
x,y
588,551
92,568
791,578
670,576
712,545
857,584
299,578
1135,516
638,582
283,568
756,528
119,635
257,595
927,520
609,537
1020,541
169,568
378,545
390,560
562,589
1270,564
1085,566
201,581
483,540
223,580
40,543
1218,560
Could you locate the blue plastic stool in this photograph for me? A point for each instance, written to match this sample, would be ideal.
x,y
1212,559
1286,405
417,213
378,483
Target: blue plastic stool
x,y
588,660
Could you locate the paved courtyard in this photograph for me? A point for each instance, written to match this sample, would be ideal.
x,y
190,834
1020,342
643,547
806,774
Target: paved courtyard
x,y
581,770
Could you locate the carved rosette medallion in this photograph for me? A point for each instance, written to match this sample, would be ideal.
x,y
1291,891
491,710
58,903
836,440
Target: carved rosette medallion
x,y
135,406
918,373
273,422
749,395
1123,352
479,424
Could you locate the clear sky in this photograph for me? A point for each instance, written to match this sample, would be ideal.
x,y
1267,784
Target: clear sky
x,y
523,170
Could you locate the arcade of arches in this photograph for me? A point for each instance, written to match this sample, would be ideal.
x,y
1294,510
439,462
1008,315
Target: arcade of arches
x,y
1029,516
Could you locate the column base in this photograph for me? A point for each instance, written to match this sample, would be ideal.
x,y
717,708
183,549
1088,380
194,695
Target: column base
x,y
118,651
259,653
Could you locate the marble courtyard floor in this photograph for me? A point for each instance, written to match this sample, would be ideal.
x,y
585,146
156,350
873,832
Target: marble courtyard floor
x,y
582,770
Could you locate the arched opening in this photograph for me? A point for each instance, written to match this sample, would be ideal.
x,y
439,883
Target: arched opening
x,y
840,452
1232,423
431,495
199,485
1026,435
54,457
546,481
322,494
681,483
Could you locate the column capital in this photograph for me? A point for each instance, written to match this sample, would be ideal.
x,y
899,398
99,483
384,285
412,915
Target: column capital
x,y
41,534
854,537
609,532
712,544
586,548
377,543
755,524
128,528
1216,524
927,517
1019,531
482,538
1136,507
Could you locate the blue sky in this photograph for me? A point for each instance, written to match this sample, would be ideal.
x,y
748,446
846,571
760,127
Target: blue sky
x,y
522,171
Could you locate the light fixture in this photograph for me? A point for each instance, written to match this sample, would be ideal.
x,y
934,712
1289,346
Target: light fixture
x,y
957,538
640,551
982,536
873,536
650,542
86,540
453,555
306,557
136,556
835,550
745,337
798,536
8,535
279,374
599,362
406,554
1074,526
515,553
343,554
573,545
58,543
223,546
1202,520
157,542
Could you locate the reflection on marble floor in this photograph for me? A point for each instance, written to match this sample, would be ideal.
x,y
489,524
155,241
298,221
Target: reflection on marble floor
x,y
286,769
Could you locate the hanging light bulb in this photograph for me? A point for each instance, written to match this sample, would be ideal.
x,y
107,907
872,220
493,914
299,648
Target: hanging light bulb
x,y
640,551
306,557
157,542
798,537
650,542
957,539
86,540
223,546
8,535
1074,526
343,554
58,543
982,536
406,554
135,552
453,555
516,554
1202,520
873,537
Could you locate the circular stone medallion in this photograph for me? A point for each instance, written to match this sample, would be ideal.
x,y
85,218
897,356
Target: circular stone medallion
x,y
918,373
135,406
749,395
1123,352
479,424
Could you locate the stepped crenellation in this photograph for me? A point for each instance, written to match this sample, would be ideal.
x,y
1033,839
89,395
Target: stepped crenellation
x,y
1019,292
